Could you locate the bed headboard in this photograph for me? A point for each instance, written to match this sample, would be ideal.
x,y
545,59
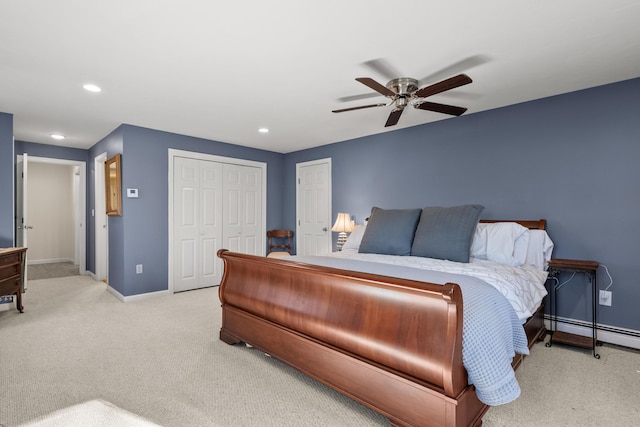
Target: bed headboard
x,y
540,224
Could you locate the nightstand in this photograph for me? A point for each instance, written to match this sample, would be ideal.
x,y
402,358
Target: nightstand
x,y
589,269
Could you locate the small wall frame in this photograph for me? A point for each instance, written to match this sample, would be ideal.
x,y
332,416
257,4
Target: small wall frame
x,y
113,185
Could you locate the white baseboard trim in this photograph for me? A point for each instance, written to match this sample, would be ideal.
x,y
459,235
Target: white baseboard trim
x,y
609,334
48,261
135,297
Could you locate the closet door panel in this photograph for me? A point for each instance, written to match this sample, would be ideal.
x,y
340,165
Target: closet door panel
x,y
188,260
252,209
233,217
210,267
210,223
197,224
185,211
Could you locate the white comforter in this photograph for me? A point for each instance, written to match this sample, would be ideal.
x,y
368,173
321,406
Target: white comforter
x,y
522,286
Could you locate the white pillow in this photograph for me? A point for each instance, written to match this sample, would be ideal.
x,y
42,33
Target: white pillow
x,y
354,239
539,249
502,242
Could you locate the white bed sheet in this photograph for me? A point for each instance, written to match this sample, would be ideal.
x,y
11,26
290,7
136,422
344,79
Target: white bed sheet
x,y
523,286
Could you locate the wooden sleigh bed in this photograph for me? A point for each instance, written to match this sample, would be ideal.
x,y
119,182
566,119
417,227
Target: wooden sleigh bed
x,y
349,330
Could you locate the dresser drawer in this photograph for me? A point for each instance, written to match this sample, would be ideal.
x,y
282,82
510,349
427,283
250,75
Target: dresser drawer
x,y
10,287
7,271
14,258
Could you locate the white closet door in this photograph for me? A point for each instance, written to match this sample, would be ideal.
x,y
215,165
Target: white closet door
x,y
197,218
242,215
232,202
252,230
210,223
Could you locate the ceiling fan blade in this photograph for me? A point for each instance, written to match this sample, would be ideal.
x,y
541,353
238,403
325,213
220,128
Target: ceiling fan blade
x,y
358,108
456,68
450,83
358,97
441,108
394,117
382,67
383,90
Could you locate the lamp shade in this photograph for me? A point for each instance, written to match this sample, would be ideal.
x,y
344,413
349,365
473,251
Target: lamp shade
x,y
343,223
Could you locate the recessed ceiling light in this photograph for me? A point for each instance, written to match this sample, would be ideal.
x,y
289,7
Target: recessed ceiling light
x,y
263,130
92,88
57,136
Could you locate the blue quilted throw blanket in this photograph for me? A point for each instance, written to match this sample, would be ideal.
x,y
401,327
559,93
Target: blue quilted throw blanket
x,y
491,333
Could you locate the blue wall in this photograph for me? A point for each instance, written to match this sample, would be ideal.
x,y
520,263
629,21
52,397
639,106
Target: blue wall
x,y
51,151
571,159
7,161
140,235
111,144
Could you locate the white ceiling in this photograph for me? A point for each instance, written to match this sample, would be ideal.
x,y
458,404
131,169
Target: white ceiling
x,y
221,70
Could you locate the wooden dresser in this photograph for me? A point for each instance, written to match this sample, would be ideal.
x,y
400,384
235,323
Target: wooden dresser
x,y
12,263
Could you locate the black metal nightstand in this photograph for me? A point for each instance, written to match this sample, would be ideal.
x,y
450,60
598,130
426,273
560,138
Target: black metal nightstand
x,y
589,269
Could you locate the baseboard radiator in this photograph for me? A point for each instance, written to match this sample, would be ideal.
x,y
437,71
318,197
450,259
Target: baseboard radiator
x,y
608,334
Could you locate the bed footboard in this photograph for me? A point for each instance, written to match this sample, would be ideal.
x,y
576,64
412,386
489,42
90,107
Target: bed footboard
x,y
357,333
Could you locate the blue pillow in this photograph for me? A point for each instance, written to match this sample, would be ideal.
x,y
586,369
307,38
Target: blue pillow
x,y
446,233
390,231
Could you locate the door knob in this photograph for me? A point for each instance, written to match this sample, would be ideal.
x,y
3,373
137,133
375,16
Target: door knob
x,y
324,228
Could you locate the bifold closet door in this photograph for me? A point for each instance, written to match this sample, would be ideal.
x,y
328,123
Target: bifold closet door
x,y
242,206
197,216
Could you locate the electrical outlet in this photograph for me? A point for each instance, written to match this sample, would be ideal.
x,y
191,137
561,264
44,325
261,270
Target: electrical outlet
x,y
138,268
605,298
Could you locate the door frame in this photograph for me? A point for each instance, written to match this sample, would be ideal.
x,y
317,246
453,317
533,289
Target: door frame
x,y
172,152
329,196
99,204
80,197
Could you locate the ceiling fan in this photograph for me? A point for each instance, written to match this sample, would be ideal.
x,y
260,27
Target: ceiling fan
x,y
405,91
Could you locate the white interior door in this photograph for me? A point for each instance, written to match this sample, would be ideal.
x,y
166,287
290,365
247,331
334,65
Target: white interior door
x,y
313,207
253,231
242,201
193,260
101,223
21,200
21,223
197,215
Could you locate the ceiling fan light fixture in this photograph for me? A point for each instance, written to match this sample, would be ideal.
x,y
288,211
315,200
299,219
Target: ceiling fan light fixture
x,y
401,102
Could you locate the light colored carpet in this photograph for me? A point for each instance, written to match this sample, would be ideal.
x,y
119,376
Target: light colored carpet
x,y
161,359
94,413
51,270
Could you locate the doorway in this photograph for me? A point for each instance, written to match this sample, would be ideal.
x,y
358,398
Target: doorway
x,y
52,209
